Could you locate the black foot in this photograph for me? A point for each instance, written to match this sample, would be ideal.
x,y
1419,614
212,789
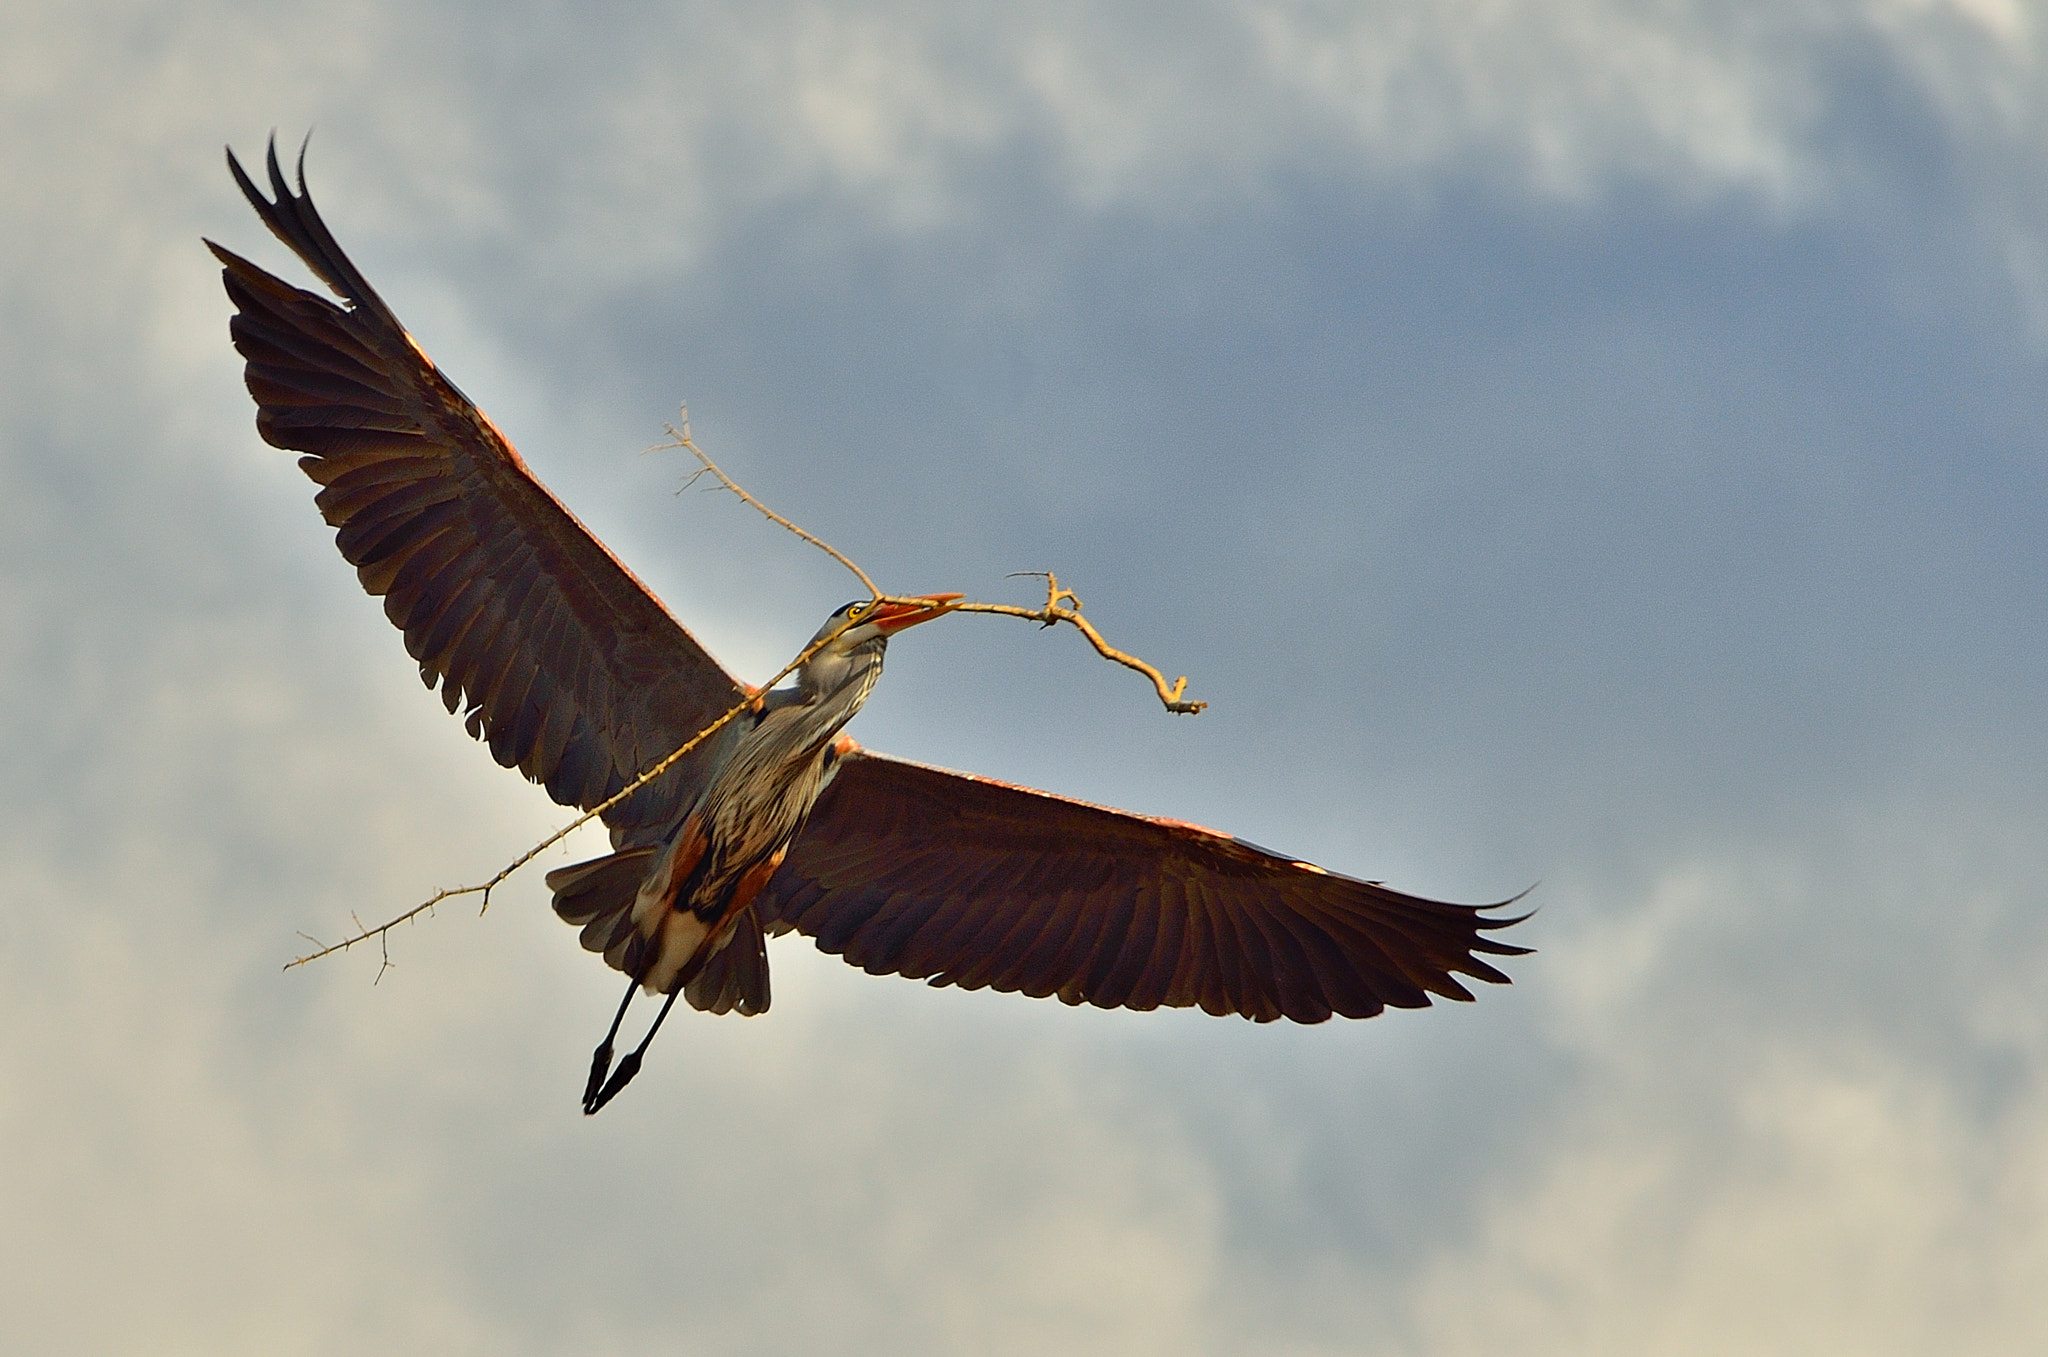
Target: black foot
x,y
621,1077
600,1066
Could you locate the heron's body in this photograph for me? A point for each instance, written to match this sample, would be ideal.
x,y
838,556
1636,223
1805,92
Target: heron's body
x,y
576,675
694,895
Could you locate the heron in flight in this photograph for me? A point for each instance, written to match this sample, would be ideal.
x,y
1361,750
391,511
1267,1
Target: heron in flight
x,y
575,674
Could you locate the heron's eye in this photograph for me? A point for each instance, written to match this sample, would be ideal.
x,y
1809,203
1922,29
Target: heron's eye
x,y
857,611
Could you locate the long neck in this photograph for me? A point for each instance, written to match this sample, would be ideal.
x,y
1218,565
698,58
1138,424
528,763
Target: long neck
x,y
797,726
763,792
834,686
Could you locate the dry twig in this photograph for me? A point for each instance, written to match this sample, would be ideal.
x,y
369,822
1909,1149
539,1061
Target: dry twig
x,y
1061,605
1057,607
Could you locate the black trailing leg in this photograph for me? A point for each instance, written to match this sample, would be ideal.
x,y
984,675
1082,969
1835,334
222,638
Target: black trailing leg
x,y
601,1058
630,1066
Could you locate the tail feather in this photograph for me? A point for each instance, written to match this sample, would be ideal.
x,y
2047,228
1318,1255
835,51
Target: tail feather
x,y
598,896
736,975
590,889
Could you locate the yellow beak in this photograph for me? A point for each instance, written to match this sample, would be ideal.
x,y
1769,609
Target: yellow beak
x,y
894,617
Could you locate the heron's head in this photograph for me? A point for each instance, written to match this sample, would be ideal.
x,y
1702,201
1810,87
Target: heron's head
x,y
866,620
863,630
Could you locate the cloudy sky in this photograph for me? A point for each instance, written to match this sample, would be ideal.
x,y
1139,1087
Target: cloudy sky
x,y
1582,442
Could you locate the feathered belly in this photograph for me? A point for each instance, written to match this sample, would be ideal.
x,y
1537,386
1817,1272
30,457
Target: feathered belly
x,y
687,938
661,915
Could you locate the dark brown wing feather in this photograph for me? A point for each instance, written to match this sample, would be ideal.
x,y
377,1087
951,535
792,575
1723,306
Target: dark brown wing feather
x,y
959,880
565,663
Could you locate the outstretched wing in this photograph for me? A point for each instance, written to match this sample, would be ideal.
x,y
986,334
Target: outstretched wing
x,y
908,869
565,663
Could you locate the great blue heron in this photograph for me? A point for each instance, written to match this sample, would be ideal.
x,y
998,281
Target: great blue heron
x,y
576,675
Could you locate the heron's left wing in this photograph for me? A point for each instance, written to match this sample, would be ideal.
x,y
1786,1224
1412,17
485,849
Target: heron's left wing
x,y
912,870
567,664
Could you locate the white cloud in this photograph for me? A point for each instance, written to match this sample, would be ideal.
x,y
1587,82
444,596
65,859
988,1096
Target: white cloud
x,y
648,132
1850,1206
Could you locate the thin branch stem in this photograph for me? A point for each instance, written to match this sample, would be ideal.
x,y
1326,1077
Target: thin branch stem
x,y
485,888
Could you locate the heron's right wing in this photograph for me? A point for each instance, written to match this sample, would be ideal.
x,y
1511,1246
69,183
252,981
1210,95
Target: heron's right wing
x,y
567,664
912,870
